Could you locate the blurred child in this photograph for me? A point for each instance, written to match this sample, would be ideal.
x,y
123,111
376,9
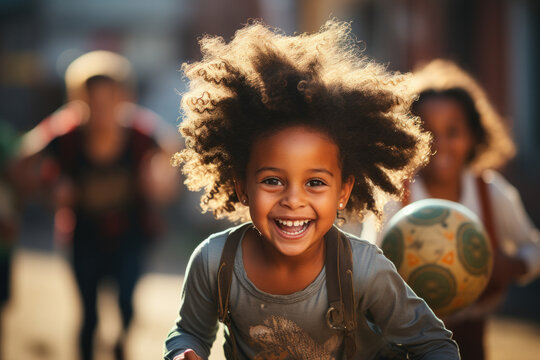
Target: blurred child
x,y
99,157
9,211
469,142
288,132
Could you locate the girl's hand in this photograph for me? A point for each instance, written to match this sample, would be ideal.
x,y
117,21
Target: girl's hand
x,y
188,355
506,269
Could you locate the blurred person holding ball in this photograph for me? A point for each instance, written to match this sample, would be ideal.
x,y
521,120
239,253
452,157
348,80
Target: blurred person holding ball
x,y
469,142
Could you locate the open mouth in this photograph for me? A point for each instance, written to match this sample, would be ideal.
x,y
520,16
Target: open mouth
x,y
293,227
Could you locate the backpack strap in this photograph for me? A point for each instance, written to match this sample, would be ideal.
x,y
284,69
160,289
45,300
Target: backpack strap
x,y
341,314
224,280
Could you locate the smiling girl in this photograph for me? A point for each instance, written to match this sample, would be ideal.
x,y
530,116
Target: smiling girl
x,y
288,133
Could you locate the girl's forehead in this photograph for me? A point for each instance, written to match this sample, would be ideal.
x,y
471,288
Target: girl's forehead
x,y
442,104
295,144
294,132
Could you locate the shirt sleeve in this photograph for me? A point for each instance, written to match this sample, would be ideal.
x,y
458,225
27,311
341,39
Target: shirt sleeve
x,y
517,232
196,325
402,317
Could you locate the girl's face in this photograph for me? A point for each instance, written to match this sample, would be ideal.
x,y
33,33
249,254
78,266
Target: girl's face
x,y
293,188
453,140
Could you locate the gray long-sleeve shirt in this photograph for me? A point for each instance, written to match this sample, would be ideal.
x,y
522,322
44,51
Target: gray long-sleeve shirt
x,y
294,325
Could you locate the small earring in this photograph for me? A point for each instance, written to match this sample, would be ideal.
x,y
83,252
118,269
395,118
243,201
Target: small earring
x,y
244,201
340,205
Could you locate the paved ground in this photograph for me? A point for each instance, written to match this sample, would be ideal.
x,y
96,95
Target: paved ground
x,y
41,322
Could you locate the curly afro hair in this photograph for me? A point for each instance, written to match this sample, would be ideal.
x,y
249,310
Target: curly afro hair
x,y
443,78
263,81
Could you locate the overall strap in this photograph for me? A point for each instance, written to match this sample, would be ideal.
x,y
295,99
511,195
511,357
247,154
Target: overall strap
x,y
487,211
224,280
341,314
493,294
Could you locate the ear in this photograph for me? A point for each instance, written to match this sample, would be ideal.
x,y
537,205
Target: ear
x,y
240,188
346,189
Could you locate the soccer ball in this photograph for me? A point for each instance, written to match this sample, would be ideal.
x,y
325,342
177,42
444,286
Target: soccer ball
x,y
442,251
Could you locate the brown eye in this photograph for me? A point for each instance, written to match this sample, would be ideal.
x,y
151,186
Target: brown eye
x,y
315,182
272,181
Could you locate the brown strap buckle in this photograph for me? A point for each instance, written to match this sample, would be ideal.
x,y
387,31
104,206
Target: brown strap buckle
x,y
334,317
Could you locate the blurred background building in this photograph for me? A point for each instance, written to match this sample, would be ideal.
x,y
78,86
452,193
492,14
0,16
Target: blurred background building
x,y
496,40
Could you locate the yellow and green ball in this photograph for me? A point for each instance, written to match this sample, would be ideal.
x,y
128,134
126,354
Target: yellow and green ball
x,y
442,251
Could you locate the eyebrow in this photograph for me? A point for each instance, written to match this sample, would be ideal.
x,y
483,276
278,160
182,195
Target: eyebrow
x,y
269,168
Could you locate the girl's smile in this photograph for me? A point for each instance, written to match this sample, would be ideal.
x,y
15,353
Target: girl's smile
x,y
292,228
293,188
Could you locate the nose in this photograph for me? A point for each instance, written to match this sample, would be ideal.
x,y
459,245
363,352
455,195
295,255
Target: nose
x,y
293,197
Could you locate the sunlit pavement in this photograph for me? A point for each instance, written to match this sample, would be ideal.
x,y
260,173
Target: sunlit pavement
x,y
43,317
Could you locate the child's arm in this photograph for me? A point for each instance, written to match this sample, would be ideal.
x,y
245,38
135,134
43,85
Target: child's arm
x,y
516,230
196,325
403,317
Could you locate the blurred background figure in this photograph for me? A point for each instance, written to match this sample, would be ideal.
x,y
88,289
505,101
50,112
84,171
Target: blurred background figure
x,y
496,40
469,142
9,211
106,173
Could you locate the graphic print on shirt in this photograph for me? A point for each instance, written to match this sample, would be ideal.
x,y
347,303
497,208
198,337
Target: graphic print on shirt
x,y
281,338
106,190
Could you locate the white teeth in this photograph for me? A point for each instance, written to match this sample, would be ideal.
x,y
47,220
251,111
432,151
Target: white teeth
x,y
289,223
294,233
292,223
